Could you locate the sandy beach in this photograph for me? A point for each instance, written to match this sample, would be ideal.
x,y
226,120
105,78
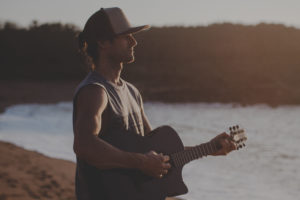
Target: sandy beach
x,y
29,175
26,175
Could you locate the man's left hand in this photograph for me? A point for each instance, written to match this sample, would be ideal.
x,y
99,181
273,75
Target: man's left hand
x,y
227,145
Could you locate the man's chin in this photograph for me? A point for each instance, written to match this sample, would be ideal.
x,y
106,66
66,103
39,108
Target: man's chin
x,y
129,60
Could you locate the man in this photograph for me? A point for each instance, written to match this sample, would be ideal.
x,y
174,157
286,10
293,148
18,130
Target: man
x,y
105,104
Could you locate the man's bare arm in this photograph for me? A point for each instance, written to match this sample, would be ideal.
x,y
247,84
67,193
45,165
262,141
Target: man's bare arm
x,y
91,102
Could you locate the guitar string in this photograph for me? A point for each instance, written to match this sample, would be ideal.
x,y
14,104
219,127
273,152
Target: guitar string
x,y
181,158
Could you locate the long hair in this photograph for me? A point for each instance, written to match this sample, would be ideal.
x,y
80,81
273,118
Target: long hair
x,y
88,51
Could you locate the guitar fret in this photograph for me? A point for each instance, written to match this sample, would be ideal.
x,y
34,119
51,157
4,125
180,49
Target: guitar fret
x,y
196,152
190,155
207,149
199,152
186,157
202,152
181,158
200,149
204,149
211,149
193,154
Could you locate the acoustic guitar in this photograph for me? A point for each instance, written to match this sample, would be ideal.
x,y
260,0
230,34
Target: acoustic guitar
x,y
134,185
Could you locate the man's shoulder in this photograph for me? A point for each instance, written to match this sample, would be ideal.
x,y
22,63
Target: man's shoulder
x,y
90,81
89,90
131,87
92,88
92,96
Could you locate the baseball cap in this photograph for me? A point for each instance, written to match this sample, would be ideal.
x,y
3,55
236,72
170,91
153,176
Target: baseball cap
x,y
107,23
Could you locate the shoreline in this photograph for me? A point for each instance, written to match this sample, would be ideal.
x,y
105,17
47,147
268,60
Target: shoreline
x,y
45,92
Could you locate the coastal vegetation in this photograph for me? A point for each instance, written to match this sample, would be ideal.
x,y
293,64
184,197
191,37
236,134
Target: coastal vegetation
x,y
245,64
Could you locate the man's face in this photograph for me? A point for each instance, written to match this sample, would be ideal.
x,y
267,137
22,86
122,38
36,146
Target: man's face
x,y
121,49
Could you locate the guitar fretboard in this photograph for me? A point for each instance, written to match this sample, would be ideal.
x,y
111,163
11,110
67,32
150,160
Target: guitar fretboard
x,y
183,157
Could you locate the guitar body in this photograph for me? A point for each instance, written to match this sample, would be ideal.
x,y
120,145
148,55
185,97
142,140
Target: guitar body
x,y
134,185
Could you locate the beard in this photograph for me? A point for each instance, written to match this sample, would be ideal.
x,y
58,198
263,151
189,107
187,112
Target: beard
x,y
125,57
129,58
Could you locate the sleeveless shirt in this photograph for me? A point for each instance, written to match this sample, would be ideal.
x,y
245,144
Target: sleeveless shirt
x,y
125,110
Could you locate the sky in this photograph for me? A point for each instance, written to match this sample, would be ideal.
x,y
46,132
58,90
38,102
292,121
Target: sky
x,y
155,12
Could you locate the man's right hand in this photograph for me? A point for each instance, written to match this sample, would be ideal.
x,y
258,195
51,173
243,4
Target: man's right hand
x,y
155,165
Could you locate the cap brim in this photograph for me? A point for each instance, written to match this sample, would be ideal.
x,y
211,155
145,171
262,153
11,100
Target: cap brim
x,y
135,30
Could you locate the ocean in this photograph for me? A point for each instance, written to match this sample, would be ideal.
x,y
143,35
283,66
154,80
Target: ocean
x,y
268,168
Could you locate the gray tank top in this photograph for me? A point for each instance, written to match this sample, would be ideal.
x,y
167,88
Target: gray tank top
x,y
125,111
124,103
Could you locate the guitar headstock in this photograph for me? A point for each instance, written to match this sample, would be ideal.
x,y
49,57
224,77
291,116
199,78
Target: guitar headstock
x,y
238,136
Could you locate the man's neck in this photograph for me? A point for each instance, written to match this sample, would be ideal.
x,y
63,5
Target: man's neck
x,y
110,71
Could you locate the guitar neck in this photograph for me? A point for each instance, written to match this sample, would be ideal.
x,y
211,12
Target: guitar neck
x,y
183,157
